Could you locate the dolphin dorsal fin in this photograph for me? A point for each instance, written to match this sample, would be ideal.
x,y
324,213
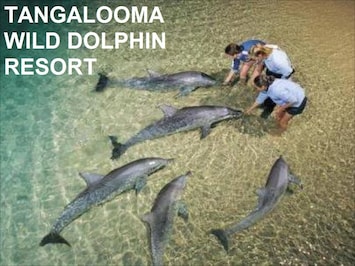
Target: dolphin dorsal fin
x,y
91,178
261,192
153,73
148,218
168,110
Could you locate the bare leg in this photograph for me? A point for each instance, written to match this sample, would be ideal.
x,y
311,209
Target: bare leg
x,y
283,120
244,70
257,70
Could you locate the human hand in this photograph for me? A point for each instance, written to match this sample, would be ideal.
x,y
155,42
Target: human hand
x,y
247,112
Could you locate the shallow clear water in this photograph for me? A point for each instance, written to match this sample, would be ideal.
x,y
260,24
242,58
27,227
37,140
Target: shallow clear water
x,y
53,127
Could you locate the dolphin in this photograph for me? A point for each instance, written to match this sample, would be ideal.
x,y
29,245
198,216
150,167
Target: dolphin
x,y
104,188
277,183
178,120
161,217
186,81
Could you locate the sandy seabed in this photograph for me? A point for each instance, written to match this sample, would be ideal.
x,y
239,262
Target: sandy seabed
x,y
54,127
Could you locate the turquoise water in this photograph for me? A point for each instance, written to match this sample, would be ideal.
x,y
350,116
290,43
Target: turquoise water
x,y
53,127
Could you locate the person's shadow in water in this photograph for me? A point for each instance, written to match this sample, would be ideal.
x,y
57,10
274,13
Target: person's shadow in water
x,y
239,97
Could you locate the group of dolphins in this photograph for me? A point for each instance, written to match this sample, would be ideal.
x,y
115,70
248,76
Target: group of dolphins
x,y
133,176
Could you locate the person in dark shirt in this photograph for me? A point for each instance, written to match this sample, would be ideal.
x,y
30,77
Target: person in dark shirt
x,y
242,62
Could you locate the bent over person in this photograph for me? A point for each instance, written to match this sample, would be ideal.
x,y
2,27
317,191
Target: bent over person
x,y
277,62
289,97
241,61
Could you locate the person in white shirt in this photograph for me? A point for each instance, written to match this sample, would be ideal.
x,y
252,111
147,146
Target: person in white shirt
x,y
289,97
277,64
276,61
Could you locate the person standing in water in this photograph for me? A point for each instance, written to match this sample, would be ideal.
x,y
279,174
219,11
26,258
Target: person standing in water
x,y
289,97
242,62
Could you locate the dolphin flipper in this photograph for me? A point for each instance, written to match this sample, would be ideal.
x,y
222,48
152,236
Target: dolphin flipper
x,y
205,130
140,184
182,210
222,237
153,73
294,179
53,238
184,91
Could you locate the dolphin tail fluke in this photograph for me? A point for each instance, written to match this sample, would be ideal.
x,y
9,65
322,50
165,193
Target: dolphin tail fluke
x,y
222,237
54,239
114,141
102,83
118,148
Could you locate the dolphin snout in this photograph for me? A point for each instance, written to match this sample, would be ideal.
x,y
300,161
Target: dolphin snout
x,y
169,161
212,82
188,173
238,113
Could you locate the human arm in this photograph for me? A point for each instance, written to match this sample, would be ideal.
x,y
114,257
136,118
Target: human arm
x,y
234,71
252,107
229,78
258,101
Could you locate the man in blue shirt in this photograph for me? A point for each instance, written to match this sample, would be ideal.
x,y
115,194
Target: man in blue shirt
x,y
241,62
288,95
